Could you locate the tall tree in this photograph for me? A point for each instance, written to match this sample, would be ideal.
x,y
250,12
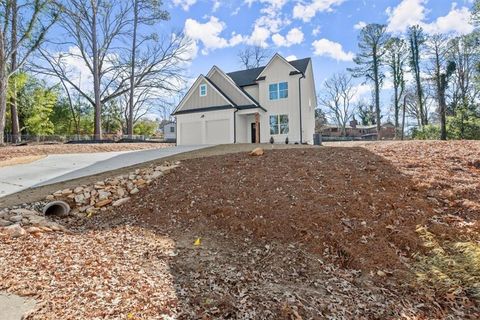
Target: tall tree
x,y
370,60
22,30
13,66
145,12
253,57
396,59
441,71
463,91
416,40
337,99
93,28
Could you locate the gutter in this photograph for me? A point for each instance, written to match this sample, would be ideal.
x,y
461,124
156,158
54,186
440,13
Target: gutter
x,y
300,106
235,126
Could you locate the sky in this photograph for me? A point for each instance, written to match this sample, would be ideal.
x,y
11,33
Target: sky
x,y
325,30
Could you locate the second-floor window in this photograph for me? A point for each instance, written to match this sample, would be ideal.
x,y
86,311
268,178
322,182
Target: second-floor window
x,y
278,90
203,90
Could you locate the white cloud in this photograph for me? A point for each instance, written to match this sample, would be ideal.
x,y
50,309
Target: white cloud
x,y
209,34
236,39
316,31
458,20
334,50
185,4
291,58
360,25
259,37
406,14
271,21
414,12
307,11
216,5
362,91
294,36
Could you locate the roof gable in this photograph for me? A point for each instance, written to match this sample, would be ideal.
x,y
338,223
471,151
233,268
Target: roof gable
x,y
249,77
194,88
230,88
278,58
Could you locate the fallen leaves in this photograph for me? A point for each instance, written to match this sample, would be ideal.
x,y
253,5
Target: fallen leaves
x,y
295,234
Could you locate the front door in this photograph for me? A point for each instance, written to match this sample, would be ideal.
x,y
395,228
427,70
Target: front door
x,y
254,132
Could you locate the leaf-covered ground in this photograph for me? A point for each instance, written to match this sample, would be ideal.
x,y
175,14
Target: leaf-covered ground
x,y
383,230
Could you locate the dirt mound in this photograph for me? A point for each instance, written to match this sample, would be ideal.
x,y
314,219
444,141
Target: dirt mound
x,y
346,203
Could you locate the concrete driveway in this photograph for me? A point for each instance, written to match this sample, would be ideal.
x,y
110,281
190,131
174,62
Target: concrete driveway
x,y
64,167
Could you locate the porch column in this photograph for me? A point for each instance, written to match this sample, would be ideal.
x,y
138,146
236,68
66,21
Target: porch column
x,y
257,127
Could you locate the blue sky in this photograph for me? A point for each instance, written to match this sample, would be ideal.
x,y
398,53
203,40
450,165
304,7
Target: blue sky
x,y
325,30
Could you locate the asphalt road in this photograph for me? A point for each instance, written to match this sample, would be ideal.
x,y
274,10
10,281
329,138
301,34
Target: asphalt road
x,y
64,167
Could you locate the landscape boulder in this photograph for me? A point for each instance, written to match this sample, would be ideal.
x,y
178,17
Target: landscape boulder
x,y
14,231
257,152
111,192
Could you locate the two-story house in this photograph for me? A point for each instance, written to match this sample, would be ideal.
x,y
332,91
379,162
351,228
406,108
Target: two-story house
x,y
251,106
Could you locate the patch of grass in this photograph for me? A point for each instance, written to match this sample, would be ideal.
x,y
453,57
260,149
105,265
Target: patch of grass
x,y
449,266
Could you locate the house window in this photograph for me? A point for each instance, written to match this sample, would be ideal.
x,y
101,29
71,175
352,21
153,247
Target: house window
x,y
278,90
172,129
279,124
203,90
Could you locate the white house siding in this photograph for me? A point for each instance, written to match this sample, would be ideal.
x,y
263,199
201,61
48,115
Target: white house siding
x,y
309,103
229,88
279,71
252,91
244,127
167,132
212,127
212,99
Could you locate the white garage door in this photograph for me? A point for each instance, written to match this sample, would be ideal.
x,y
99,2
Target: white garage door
x,y
218,131
191,133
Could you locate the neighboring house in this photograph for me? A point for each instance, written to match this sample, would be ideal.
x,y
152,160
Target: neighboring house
x,y
387,131
250,106
170,132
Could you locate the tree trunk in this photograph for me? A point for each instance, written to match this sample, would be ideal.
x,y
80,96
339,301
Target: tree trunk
x,y
3,101
403,116
443,108
13,99
97,131
132,72
377,93
415,50
397,110
3,87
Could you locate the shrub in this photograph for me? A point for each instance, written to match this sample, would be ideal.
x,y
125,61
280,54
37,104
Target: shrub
x,y
428,132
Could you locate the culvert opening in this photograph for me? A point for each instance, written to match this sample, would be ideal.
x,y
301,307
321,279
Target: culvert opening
x,y
57,208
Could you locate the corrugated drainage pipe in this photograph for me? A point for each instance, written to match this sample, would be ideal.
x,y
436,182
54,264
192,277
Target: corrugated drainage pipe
x,y
56,208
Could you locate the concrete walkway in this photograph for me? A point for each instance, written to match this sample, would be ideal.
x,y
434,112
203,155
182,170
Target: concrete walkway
x,y
64,167
13,307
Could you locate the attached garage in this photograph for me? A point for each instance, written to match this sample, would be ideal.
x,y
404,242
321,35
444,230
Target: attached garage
x,y
214,127
205,115
218,131
191,133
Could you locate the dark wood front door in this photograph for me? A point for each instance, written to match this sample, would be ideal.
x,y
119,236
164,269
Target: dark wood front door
x,y
254,132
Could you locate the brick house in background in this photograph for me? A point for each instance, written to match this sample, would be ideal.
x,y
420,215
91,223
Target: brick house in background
x,y
356,131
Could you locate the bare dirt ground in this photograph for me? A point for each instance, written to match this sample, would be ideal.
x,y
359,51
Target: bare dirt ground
x,y
381,231
11,155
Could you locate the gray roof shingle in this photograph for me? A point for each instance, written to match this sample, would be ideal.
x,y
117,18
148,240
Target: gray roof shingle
x,y
247,77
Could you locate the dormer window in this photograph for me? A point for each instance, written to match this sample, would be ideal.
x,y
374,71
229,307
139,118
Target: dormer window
x,y
203,90
278,91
